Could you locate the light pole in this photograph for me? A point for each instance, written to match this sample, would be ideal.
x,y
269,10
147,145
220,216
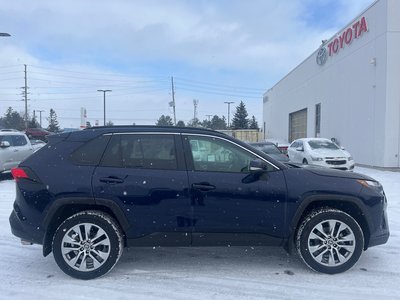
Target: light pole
x,y
40,117
104,97
229,110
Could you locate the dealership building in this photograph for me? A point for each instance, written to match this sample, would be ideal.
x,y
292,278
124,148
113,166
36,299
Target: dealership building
x,y
348,89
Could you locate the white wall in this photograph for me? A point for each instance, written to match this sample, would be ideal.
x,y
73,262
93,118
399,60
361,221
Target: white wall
x,y
392,124
359,103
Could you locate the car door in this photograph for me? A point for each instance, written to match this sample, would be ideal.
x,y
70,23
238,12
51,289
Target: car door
x,y
145,175
229,201
296,155
22,147
300,154
7,155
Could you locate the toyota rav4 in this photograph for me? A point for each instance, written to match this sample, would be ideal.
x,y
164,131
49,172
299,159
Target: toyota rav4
x,y
87,195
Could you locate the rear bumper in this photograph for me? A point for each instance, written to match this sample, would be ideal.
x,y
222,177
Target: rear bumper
x,y
21,229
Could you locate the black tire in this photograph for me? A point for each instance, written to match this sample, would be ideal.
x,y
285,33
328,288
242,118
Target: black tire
x,y
87,245
329,249
305,162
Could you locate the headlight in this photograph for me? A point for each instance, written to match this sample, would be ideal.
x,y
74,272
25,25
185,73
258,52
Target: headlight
x,y
350,158
370,183
317,158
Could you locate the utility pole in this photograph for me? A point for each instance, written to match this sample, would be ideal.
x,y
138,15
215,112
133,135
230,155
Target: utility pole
x,y
25,94
40,117
195,103
173,98
209,117
104,102
229,111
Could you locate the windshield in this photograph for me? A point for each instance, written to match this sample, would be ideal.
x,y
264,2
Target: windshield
x,y
269,149
318,144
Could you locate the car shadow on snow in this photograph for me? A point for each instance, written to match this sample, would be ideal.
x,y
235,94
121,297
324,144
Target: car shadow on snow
x,y
206,260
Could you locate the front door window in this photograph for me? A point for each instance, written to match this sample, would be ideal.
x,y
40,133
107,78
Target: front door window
x,y
217,155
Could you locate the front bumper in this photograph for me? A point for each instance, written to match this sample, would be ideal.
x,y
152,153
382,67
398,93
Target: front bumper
x,y
381,234
347,166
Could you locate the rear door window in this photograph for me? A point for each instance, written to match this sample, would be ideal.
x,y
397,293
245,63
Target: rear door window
x,y
141,151
18,140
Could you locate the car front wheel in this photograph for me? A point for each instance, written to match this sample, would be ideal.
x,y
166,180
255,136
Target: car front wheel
x,y
87,245
329,241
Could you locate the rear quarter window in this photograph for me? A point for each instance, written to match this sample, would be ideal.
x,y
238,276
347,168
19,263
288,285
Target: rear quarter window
x,y
6,138
90,153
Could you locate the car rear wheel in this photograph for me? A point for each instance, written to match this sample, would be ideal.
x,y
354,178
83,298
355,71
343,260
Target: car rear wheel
x,y
329,241
305,162
87,245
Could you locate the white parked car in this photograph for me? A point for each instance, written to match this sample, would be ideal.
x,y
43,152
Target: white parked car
x,y
321,152
37,144
14,148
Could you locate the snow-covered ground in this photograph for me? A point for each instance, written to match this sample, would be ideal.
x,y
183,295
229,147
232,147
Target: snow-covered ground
x,y
203,273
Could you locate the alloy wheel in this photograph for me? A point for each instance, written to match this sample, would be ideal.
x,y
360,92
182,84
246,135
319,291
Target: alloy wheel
x,y
85,247
331,243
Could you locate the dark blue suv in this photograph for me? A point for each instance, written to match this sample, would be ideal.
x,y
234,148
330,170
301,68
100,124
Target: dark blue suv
x,y
88,194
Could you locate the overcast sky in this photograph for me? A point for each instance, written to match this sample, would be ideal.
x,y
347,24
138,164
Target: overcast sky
x,y
221,50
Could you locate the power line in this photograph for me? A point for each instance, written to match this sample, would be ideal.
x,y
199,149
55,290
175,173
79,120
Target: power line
x,y
220,85
101,74
221,94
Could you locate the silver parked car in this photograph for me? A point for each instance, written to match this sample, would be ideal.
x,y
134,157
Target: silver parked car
x,y
320,152
14,148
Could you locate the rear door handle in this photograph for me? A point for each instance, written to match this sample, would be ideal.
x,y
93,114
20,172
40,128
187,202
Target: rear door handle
x,y
111,180
205,187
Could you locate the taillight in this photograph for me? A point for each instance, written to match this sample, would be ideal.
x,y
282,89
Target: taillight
x,y
19,173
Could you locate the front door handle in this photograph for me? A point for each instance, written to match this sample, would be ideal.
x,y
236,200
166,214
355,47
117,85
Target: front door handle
x,y
111,180
205,187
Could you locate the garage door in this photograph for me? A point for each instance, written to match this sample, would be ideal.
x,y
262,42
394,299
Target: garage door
x,y
298,125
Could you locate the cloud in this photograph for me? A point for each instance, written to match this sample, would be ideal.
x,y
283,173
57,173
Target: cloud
x,y
236,43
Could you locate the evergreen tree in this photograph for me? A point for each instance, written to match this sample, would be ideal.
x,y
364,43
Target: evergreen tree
x,y
13,120
206,124
240,120
194,123
253,123
180,123
33,123
53,123
165,121
110,123
218,123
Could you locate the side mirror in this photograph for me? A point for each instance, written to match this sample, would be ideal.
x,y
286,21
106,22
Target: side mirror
x,y
5,144
257,165
257,171
301,149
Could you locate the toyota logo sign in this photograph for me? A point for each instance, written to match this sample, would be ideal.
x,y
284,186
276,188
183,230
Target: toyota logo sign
x,y
322,56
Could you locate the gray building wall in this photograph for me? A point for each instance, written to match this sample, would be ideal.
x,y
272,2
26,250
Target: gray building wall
x,y
358,88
